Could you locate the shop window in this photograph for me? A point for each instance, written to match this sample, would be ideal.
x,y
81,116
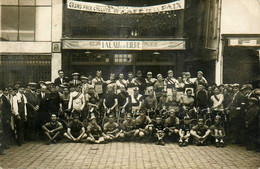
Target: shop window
x,y
123,58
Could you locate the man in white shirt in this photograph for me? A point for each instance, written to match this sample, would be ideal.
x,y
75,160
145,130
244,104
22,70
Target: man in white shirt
x,y
20,113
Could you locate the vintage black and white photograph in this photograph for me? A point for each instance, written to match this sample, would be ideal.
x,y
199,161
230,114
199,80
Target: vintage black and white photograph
x,y
130,84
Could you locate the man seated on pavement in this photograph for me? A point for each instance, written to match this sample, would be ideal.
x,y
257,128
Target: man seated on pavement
x,y
111,128
95,133
184,131
159,130
52,129
76,130
200,133
218,132
172,124
143,125
128,128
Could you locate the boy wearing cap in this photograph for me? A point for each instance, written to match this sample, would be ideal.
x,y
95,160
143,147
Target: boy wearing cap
x,y
200,133
95,133
149,83
128,128
20,113
251,121
200,80
76,130
218,132
111,128
169,83
52,129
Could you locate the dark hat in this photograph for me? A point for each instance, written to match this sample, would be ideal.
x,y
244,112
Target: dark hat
x,y
75,74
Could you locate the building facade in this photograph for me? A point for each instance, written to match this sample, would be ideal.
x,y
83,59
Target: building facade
x,y
225,43
30,31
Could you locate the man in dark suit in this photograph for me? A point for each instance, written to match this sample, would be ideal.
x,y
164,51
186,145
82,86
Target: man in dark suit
x,y
61,79
75,81
32,110
6,119
44,110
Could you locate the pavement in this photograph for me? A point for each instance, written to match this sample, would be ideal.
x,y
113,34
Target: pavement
x,y
127,155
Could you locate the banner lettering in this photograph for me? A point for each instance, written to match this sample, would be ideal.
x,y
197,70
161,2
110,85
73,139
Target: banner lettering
x,y
102,8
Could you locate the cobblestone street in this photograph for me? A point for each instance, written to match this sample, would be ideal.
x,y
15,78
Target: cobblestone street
x,y
127,155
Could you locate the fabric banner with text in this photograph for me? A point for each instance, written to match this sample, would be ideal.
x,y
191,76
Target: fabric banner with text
x,y
102,8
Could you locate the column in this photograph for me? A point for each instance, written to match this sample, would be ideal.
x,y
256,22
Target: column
x,y
219,64
56,61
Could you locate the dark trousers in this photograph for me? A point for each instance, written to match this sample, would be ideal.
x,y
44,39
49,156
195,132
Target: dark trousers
x,y
251,138
7,134
20,128
234,130
31,128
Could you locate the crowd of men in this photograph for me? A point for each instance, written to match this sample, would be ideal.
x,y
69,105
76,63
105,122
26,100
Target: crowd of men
x,y
186,110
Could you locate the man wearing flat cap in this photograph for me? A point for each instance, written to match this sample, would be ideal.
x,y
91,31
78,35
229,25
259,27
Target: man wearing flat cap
x,y
32,110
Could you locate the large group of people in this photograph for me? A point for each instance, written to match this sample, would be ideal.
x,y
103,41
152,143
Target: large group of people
x,y
85,109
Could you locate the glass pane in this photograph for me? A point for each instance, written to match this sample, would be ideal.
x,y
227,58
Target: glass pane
x,y
43,24
9,19
27,2
43,2
26,23
9,2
